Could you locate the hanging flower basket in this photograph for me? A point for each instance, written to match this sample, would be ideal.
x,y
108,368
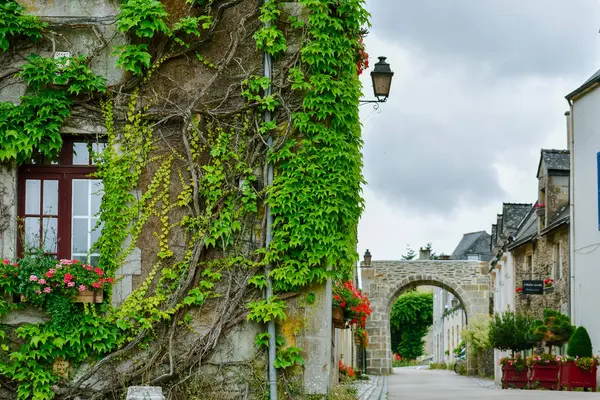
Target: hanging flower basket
x,y
337,317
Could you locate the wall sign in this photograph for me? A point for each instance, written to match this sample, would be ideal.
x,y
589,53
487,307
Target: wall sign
x,y
533,287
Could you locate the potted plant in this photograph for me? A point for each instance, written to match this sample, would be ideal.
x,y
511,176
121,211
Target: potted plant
x,y
548,285
510,332
578,368
361,336
540,209
519,292
554,330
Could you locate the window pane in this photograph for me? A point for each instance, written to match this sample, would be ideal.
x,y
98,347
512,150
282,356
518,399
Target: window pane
x,y
32,232
96,196
50,203
97,149
81,154
50,235
95,234
81,192
32,196
80,235
94,260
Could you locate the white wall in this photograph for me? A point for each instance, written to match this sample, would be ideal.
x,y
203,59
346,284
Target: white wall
x,y
451,324
504,298
584,219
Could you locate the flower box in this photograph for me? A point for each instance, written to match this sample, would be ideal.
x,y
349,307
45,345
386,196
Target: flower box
x,y
512,378
571,376
544,376
337,317
540,211
90,296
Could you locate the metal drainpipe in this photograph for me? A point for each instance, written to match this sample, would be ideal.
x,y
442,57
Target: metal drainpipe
x,y
272,354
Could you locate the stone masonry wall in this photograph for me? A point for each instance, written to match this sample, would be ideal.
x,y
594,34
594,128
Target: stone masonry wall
x,y
543,259
384,281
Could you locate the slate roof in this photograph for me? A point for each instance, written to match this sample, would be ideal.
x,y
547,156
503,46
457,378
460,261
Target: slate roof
x,y
558,160
473,243
513,214
594,79
528,229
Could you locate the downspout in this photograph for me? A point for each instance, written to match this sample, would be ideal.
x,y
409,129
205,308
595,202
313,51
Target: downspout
x,y
571,281
272,354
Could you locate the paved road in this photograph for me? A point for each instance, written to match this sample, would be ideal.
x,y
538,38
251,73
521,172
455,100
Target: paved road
x,y
425,384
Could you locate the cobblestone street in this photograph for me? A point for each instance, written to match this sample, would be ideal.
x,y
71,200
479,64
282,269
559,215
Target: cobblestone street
x,y
425,384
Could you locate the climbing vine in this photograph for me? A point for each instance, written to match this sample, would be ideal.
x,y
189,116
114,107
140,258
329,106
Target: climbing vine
x,y
184,180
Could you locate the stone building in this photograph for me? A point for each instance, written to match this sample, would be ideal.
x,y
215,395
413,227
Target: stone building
x,y
175,111
540,247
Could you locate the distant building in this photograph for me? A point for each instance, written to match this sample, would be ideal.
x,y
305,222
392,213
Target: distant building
x,y
448,315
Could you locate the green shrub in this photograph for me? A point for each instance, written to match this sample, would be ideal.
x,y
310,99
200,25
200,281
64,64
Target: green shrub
x,y
476,334
580,344
510,331
554,330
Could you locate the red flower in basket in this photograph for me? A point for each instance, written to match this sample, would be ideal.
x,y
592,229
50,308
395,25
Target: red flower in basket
x,y
519,290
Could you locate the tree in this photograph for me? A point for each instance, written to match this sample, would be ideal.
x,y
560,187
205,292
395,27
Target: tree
x,y
410,318
510,331
410,254
554,330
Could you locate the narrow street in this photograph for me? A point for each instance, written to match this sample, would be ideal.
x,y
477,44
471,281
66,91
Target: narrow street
x,y
425,384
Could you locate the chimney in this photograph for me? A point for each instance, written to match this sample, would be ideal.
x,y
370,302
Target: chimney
x,y
424,254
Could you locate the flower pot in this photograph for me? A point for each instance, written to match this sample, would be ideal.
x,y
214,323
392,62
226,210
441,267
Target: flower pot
x,y
548,290
90,296
571,376
357,340
511,378
541,211
522,296
544,376
337,317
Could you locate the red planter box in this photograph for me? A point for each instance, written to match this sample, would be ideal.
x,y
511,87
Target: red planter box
x,y
511,378
571,376
544,376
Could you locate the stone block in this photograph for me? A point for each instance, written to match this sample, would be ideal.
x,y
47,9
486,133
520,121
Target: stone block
x,y
145,393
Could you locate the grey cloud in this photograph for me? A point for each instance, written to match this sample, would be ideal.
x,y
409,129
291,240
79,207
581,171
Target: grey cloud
x,y
541,37
417,164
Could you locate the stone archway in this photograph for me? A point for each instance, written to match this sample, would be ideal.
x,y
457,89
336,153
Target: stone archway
x,y
384,281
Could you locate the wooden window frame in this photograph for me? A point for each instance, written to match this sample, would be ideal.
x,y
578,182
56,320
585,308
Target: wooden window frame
x,y
64,173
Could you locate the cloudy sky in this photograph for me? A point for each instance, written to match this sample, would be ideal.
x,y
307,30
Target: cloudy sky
x,y
478,90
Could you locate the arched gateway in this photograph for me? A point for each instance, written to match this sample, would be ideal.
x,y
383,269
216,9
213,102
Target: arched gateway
x,y
384,281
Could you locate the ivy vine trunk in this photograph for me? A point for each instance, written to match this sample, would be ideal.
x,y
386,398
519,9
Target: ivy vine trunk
x,y
133,139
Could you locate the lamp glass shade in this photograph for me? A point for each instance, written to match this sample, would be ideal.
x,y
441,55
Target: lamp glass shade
x,y
367,259
382,79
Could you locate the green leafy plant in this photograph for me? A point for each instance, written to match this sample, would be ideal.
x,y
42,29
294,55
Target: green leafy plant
x,y
269,38
145,18
476,333
133,58
16,24
410,318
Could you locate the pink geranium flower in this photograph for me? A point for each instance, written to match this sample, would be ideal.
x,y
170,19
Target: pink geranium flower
x,y
81,288
42,281
71,284
33,278
5,262
47,289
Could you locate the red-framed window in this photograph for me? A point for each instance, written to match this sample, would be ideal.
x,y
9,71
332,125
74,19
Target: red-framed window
x,y
59,201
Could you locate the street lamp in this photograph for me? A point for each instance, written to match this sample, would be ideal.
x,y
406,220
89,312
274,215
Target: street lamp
x,y
367,258
454,302
382,81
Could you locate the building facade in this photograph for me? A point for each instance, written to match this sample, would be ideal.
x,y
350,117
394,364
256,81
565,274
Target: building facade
x,y
583,121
